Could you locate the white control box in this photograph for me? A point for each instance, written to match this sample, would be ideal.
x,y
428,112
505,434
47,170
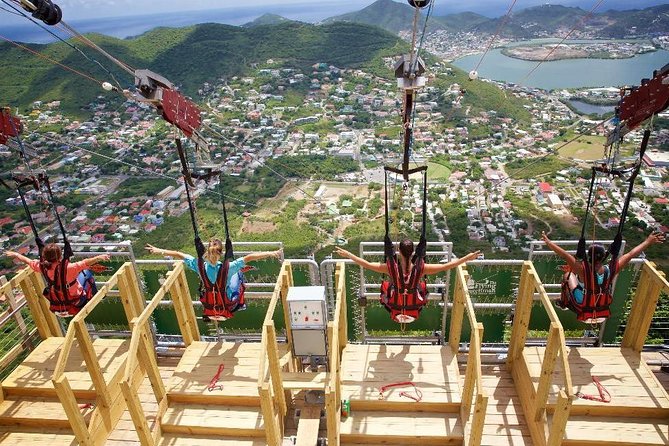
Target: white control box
x,y
307,307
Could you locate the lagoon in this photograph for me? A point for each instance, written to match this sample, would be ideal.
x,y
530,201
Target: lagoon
x,y
569,73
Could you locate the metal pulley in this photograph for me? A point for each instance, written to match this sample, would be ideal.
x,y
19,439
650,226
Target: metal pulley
x,y
46,11
419,3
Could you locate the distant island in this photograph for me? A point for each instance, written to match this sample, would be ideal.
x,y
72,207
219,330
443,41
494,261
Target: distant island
x,y
603,50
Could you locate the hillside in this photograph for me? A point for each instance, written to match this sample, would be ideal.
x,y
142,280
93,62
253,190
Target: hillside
x,y
387,14
538,21
188,56
266,19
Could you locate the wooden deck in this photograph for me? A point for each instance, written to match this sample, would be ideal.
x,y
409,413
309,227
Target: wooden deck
x,y
433,369
33,375
631,383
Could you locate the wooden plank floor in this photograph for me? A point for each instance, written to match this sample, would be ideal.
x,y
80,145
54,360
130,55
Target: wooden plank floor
x,y
504,422
630,382
34,374
200,364
504,419
367,368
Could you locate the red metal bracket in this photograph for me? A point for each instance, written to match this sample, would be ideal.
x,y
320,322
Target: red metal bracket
x,y
646,100
9,126
180,111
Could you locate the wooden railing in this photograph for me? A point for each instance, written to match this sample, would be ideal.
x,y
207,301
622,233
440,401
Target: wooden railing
x,y
22,333
535,401
141,358
652,283
270,384
108,407
338,338
472,391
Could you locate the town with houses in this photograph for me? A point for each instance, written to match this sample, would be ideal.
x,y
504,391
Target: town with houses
x,y
276,112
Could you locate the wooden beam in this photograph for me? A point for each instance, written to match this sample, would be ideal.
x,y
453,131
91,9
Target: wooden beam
x,y
273,432
71,408
41,319
92,364
547,368
644,303
522,313
560,417
307,427
137,414
275,369
287,283
13,304
478,419
458,311
333,416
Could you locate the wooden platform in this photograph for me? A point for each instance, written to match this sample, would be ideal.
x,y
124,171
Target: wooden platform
x,y
33,376
633,387
433,369
200,363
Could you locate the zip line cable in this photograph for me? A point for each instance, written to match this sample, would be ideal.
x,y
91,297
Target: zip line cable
x,y
150,171
579,23
494,37
20,12
53,61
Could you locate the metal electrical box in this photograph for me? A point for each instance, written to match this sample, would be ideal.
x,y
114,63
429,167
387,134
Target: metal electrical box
x,y
308,320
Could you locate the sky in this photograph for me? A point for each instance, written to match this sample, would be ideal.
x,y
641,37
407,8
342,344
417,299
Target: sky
x,y
86,9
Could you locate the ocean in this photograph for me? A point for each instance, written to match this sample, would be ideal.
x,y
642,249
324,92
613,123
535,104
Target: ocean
x,y
22,30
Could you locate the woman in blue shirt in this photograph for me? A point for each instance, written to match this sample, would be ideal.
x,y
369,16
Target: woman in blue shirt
x,y
212,258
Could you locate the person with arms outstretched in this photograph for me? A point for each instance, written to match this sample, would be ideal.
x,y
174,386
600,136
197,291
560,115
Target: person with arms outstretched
x,y
587,285
213,267
406,297
66,298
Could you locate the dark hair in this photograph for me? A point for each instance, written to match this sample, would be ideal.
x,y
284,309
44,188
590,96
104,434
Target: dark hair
x,y
596,254
51,254
406,249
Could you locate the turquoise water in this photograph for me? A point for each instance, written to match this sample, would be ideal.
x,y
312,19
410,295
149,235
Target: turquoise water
x,y
571,73
588,109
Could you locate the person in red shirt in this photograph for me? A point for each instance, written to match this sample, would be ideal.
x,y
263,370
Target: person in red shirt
x,y
77,275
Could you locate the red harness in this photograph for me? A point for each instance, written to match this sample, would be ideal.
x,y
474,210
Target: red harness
x,y
57,291
214,297
597,298
404,299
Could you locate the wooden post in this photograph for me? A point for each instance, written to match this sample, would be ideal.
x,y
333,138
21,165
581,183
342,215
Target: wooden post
x,y
478,420
333,416
457,313
137,414
341,304
147,355
40,316
547,367
560,417
275,368
651,283
184,310
92,364
13,305
523,311
273,433
71,408
286,283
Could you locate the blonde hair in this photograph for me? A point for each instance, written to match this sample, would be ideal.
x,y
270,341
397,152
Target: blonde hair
x,y
214,251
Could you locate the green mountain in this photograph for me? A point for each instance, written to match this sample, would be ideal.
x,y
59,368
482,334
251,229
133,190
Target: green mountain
x,y
266,19
387,14
649,21
538,21
187,56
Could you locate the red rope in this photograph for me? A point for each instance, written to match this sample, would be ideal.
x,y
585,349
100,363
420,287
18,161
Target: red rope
x,y
214,381
86,406
604,395
417,397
